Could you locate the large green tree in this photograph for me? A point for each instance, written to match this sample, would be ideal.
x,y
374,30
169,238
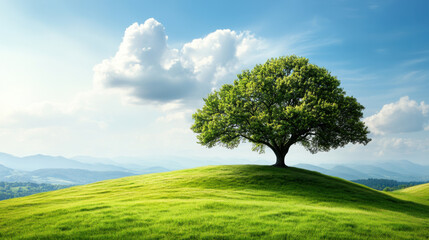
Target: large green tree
x,y
285,101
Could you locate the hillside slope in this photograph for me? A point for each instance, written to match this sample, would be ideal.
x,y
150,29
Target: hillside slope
x,y
227,202
418,193
421,190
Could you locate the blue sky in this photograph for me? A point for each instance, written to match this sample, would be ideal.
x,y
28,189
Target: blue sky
x,y
68,88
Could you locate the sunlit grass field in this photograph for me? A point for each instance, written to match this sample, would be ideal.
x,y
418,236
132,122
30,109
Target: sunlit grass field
x,y
419,193
219,202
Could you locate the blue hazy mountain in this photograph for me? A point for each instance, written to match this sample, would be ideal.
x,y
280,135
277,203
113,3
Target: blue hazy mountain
x,y
14,168
400,170
61,170
35,162
6,171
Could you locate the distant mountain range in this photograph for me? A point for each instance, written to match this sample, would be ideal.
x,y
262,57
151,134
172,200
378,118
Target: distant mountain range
x,y
61,170
84,169
36,162
401,170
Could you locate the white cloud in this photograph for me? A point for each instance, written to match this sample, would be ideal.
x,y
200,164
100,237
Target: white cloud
x,y
172,117
411,144
403,116
144,66
401,147
222,52
148,70
412,62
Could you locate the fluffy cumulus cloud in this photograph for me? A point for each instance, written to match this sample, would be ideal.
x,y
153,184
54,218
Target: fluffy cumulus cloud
x,y
403,116
148,70
401,145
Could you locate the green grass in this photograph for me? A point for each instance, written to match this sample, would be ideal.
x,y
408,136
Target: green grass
x,y
419,193
218,202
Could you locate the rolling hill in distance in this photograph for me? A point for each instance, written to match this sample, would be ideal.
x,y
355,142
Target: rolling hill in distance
x,y
419,193
227,202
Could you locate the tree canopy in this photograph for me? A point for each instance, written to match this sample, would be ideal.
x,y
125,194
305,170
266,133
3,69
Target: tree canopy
x,y
277,104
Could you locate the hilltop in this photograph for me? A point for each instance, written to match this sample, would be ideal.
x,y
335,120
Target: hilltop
x,y
228,202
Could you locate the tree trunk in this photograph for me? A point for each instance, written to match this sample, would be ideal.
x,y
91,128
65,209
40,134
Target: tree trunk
x,y
280,161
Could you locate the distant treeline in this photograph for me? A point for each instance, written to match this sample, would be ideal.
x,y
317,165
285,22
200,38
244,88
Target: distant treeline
x,y
21,189
385,184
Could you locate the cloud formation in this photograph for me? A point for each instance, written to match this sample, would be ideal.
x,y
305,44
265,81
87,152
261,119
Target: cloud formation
x,y
147,69
403,116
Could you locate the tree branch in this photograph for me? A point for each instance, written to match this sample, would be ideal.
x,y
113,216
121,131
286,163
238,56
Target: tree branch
x,y
255,141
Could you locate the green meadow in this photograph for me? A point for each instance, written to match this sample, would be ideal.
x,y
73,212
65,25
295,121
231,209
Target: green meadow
x,y
220,202
419,194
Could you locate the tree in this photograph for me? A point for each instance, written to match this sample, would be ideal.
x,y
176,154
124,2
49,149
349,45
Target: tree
x,y
285,101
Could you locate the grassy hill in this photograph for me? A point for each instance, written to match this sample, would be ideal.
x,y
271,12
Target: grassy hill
x,y
223,202
419,193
